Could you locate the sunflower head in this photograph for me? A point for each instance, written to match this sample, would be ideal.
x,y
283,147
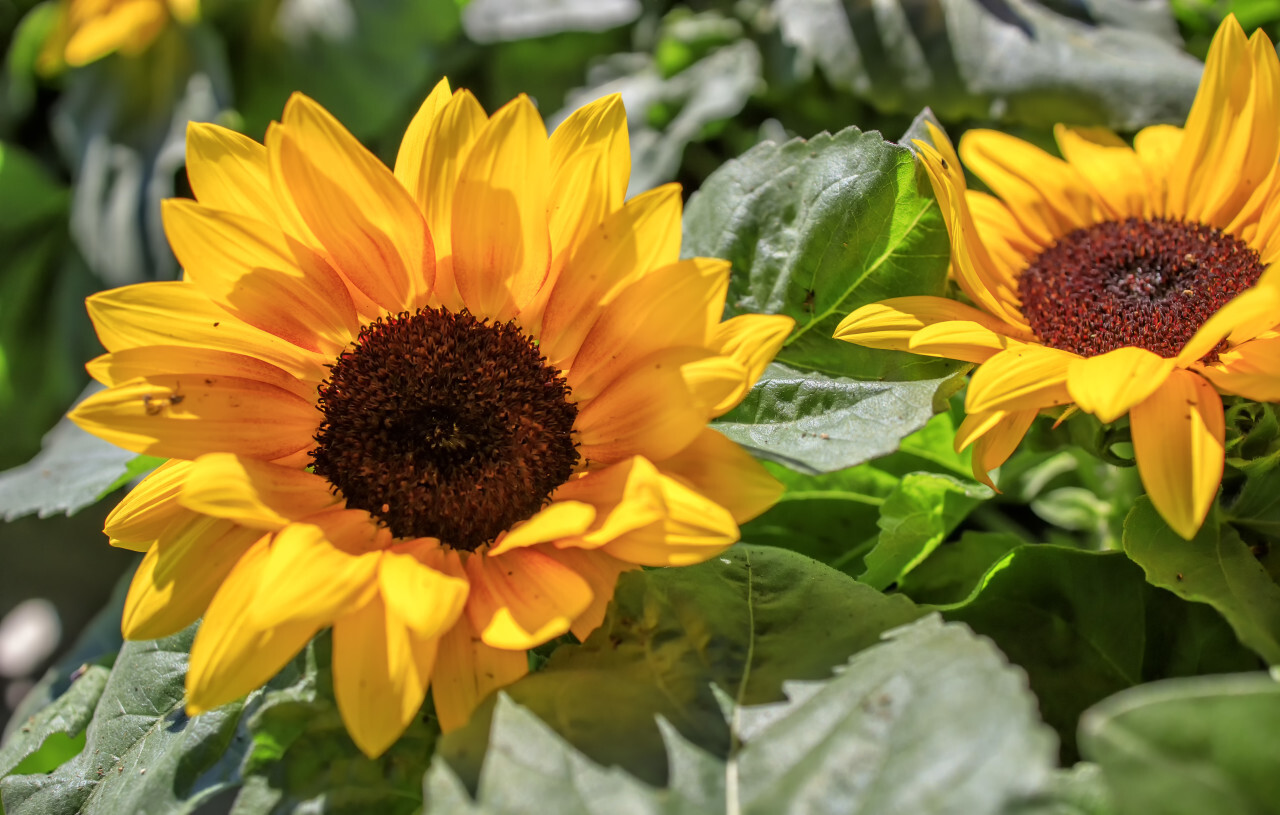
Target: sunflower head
x,y
439,407
88,30
1118,279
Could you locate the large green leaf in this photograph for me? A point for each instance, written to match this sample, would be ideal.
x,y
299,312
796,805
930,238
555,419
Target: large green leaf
x,y
1034,63
743,622
1190,746
933,721
1085,625
1214,567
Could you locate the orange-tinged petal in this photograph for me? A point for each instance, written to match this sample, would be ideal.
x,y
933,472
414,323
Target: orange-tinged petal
x,y
523,598
1112,169
176,313
425,598
1045,194
959,339
312,580
255,272
1108,385
501,248
231,654
994,437
188,415
669,307
467,670
228,171
180,575
1028,377
143,514
371,228
643,235
590,167
726,473
131,363
410,169
253,493
1178,443
601,573
381,669
561,519
1251,370
1244,317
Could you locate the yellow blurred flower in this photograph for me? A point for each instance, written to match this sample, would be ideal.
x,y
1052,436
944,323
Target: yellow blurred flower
x,y
439,408
88,30
1121,280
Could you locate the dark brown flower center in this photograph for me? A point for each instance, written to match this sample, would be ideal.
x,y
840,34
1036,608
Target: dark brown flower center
x,y
1149,283
445,426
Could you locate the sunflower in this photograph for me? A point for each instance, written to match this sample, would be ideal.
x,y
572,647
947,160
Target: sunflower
x,y
88,30
1116,280
439,408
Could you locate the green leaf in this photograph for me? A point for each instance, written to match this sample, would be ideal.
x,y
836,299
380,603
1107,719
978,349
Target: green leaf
x,y
953,570
745,622
815,423
1078,791
932,721
1215,567
1189,746
72,471
34,746
914,520
816,229
1085,625
1114,64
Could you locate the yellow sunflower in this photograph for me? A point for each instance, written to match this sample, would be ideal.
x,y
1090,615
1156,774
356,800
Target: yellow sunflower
x,y
439,408
1120,280
88,30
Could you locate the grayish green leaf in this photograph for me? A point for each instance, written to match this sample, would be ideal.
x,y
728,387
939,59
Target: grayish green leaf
x,y
1215,567
502,20
1189,746
68,716
1013,61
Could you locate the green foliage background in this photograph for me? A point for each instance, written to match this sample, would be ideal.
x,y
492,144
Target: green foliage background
x,y
891,637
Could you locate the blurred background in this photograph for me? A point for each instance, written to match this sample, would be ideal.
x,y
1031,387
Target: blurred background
x,y
92,141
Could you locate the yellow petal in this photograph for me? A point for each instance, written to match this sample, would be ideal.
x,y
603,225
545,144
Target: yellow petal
x,y
561,519
1112,169
1028,377
601,572
371,228
1109,384
1178,444
231,655
1157,148
1045,194
626,496
131,363
892,323
693,529
418,590
994,436
467,670
180,575
1251,370
643,235
142,515
501,248
252,493
312,580
959,339
176,313
523,598
380,674
188,415
752,341
590,166
228,171
253,271
669,307
727,474
411,169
